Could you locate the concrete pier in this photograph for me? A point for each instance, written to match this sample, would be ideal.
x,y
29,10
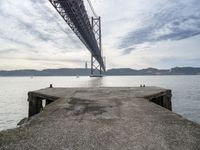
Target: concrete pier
x,y
36,101
102,118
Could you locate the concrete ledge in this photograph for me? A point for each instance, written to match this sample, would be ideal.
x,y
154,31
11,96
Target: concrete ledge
x,y
160,97
103,118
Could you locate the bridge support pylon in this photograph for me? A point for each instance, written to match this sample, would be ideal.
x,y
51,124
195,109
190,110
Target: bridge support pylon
x,y
96,68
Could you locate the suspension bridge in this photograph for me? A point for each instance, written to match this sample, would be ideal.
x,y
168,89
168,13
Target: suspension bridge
x,y
87,29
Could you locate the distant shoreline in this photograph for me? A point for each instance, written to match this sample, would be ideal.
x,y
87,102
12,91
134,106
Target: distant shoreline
x,y
110,72
102,76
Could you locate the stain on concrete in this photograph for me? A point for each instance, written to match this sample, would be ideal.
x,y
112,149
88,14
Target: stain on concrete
x,y
82,106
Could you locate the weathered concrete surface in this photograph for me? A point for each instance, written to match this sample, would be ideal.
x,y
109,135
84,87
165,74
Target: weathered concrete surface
x,y
104,118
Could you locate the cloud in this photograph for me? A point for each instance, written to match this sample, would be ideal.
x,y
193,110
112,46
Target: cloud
x,y
38,23
176,21
33,33
7,51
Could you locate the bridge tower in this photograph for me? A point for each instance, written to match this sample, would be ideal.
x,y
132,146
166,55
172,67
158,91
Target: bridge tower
x,y
95,66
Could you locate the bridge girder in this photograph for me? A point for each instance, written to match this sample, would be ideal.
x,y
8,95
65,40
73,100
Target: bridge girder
x,y
75,15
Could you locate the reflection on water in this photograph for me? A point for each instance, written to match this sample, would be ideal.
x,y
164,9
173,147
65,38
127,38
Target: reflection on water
x,y
13,92
95,82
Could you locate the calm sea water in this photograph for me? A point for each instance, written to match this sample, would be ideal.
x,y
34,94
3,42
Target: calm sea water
x,y
14,105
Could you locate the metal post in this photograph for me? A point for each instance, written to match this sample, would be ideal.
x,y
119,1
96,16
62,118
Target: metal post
x,y
100,44
92,65
92,61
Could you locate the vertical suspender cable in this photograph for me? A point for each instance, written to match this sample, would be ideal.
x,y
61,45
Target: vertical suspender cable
x,y
92,8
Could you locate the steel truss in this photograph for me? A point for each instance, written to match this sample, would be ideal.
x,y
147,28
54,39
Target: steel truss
x,y
96,27
75,15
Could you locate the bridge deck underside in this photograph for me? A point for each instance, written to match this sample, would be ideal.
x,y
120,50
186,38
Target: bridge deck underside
x,y
75,14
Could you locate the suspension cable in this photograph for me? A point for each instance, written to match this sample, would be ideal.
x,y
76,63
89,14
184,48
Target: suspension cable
x,y
92,8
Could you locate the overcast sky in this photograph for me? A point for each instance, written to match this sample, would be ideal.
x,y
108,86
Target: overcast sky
x,y
136,34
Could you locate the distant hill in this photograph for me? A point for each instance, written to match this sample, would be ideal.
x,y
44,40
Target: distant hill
x,y
128,71
110,72
47,72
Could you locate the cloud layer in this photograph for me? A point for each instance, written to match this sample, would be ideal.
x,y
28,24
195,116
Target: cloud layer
x,y
135,34
172,20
